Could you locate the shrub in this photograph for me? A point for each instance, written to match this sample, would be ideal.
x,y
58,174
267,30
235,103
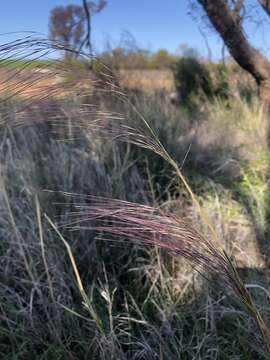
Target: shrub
x,y
220,74
161,60
192,78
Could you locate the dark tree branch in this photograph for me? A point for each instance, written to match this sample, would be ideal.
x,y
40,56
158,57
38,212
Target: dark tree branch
x,y
231,31
266,5
90,8
87,40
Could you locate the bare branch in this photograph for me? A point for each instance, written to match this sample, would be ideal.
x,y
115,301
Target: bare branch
x,y
237,10
87,41
90,8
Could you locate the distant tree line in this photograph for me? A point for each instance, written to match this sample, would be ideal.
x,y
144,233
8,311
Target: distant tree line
x,y
71,26
121,58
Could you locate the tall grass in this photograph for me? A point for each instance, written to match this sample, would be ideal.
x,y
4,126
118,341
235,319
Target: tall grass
x,y
163,319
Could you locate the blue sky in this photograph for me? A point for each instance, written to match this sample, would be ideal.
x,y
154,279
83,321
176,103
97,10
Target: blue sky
x,y
154,23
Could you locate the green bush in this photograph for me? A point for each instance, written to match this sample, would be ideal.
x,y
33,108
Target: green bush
x,y
192,78
220,75
161,60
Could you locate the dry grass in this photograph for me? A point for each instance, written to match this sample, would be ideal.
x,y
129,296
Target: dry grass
x,y
52,84
138,302
147,80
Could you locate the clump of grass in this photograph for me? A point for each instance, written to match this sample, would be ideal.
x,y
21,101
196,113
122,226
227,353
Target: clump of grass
x,y
149,140
149,226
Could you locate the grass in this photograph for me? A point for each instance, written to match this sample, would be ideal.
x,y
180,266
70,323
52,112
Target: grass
x,y
16,64
133,302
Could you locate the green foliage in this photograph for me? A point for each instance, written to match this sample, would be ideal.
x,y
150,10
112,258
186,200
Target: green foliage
x,y
220,76
192,78
20,64
161,59
121,58
137,59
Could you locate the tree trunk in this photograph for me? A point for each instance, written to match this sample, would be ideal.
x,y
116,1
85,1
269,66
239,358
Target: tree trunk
x,y
266,5
227,24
